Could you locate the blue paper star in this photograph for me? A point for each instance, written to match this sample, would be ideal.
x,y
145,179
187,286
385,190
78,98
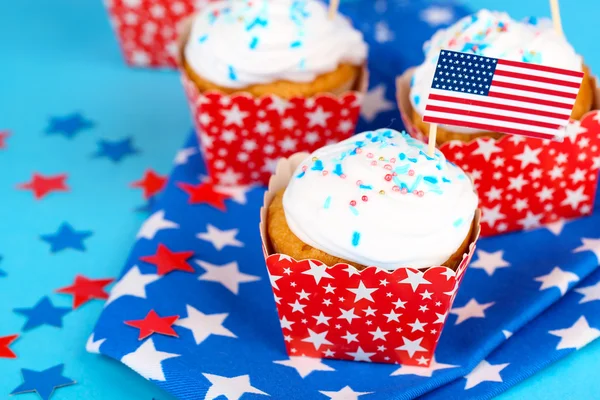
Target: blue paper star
x,y
116,150
66,238
43,313
43,382
69,125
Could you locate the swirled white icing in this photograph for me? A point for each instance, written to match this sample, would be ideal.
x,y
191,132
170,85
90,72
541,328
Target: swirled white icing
x,y
493,34
240,43
378,199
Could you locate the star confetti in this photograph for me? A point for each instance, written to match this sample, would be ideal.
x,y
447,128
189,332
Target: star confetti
x,y
204,193
66,238
69,125
151,183
167,261
5,342
3,136
117,150
85,289
42,185
43,313
43,382
153,323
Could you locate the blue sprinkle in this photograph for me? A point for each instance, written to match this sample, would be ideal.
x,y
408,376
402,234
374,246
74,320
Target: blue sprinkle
x,y
417,99
402,156
354,210
355,238
402,169
412,81
439,167
458,222
412,160
338,170
203,38
254,42
327,202
369,135
461,177
296,44
302,64
301,174
366,187
532,20
430,179
360,143
400,184
318,166
232,74
444,179
416,183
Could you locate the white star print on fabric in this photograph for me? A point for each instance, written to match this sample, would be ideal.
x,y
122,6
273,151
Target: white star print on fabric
x,y
203,325
183,155
517,183
147,361
494,194
575,197
590,293
237,193
422,371
229,177
576,336
471,310
486,147
305,365
348,315
491,215
220,238
383,33
317,339
590,244
285,324
507,334
484,372
378,334
435,15
415,278
531,221
362,292
297,307
318,117
490,262
350,337
557,278
573,130
417,326
156,222
411,346
529,156
93,346
374,103
280,105
288,144
392,316
346,393
317,271
545,193
228,275
133,283
322,318
234,116
360,355
232,388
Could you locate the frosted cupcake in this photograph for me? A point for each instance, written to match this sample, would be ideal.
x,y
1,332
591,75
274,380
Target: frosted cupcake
x,y
286,47
376,199
495,34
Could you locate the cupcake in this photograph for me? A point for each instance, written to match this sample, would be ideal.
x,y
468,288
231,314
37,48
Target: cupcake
x,y
376,199
495,34
266,79
286,48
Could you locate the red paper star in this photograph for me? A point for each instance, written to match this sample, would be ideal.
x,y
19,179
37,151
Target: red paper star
x,y
152,183
42,185
3,136
167,261
153,323
5,351
204,193
85,289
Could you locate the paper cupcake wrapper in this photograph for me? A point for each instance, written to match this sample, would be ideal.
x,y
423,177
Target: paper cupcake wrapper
x,y
242,137
372,315
522,182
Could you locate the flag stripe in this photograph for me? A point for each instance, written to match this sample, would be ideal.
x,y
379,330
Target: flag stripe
x,y
526,88
508,96
543,74
539,67
501,106
487,127
497,117
542,79
542,85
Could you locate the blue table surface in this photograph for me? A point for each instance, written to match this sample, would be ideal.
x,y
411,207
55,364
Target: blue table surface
x,y
61,57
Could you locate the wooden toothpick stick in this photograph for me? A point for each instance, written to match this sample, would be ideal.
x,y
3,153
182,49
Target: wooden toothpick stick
x,y
555,9
432,138
333,8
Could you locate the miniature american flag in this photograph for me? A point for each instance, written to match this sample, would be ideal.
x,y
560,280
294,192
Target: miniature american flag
x,y
492,94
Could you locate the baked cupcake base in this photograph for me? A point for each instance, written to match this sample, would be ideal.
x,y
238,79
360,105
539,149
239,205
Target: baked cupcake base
x,y
285,242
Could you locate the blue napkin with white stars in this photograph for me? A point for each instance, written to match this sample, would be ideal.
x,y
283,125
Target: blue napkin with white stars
x,y
509,319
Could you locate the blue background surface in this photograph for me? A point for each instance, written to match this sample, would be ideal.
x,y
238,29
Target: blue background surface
x,y
61,57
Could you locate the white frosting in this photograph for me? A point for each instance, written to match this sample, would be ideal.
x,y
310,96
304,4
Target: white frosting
x,y
240,43
496,35
378,199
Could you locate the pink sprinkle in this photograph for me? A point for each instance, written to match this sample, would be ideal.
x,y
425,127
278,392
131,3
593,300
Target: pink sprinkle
x,y
404,190
325,173
388,167
411,172
353,203
394,173
365,198
392,160
370,155
373,162
304,167
388,177
396,188
343,176
358,182
420,193
358,150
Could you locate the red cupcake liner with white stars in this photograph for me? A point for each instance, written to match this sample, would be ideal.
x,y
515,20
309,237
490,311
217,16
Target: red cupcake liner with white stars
x,y
522,182
372,315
